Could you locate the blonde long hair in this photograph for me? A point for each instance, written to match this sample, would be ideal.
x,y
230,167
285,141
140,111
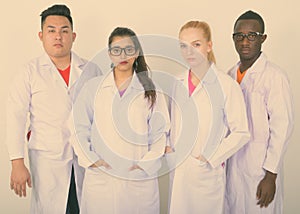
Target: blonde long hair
x,y
206,32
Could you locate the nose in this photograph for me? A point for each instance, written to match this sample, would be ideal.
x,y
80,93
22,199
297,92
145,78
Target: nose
x,y
190,50
123,55
58,35
245,40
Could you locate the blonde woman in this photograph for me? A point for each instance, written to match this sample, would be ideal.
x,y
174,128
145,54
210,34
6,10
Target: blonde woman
x,y
208,125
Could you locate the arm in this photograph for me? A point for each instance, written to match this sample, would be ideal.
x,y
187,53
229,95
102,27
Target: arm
x,y
18,103
158,129
279,106
83,113
236,118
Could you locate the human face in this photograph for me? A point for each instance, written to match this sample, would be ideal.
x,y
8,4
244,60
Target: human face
x,y
248,50
123,62
57,37
194,46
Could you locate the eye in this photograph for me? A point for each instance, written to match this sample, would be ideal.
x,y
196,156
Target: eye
x,y
183,46
51,31
115,51
130,50
65,31
196,45
238,36
251,36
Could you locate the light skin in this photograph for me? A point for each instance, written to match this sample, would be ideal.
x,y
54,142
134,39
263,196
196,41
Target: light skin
x,y
194,49
123,71
57,37
249,51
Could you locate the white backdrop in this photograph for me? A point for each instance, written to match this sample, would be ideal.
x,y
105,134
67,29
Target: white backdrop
x,y
93,22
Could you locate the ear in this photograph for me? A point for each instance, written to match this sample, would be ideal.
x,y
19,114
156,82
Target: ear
x,y
40,34
263,38
73,36
209,46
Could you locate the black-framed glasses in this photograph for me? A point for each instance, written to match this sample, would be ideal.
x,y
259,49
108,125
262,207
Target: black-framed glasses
x,y
251,36
117,51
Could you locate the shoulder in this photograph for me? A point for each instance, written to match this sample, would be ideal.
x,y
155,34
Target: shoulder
x,y
227,84
274,70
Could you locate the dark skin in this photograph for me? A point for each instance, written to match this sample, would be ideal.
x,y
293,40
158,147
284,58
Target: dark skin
x,y
248,52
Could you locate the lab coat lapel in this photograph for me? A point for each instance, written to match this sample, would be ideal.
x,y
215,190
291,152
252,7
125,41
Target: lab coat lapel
x,y
255,70
77,65
134,85
48,66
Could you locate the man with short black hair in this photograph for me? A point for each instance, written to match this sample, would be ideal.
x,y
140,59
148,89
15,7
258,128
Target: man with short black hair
x,y
254,173
45,89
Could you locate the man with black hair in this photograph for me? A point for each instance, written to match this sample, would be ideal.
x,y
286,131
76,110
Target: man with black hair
x,y
254,173
45,89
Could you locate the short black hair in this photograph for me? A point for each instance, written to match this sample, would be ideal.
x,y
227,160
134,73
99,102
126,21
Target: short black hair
x,y
251,15
56,10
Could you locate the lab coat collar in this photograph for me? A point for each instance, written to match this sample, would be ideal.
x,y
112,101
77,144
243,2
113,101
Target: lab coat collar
x,y
77,65
210,76
258,65
109,81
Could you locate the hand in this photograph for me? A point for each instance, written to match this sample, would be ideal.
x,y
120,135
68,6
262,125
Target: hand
x,y
134,167
201,158
168,149
100,163
19,177
266,189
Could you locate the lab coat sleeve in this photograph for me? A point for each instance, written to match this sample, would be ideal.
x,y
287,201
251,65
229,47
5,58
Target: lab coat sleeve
x,y
236,119
159,124
175,117
18,105
83,113
280,112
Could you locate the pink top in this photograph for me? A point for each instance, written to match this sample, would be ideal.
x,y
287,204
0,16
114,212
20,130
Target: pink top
x,y
122,92
191,85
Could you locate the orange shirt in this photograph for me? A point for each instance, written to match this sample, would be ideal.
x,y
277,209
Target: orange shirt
x,y
240,76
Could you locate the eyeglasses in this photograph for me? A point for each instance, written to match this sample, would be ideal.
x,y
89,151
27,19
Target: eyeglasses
x,y
117,51
251,36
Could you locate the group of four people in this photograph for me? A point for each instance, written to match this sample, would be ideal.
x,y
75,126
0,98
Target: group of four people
x,y
224,140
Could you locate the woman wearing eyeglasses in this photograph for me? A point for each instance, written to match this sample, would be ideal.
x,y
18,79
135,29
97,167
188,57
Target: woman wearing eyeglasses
x,y
121,122
208,125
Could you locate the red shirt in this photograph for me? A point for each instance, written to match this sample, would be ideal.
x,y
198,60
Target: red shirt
x,y
65,74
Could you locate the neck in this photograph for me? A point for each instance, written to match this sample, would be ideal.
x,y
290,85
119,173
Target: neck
x,y
122,78
198,72
247,63
61,62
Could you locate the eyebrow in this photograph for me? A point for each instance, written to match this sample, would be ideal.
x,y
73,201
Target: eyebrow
x,y
51,26
185,42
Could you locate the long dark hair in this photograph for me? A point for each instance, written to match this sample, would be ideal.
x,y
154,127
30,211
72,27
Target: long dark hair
x,y
140,66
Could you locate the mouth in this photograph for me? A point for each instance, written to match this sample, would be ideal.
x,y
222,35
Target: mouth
x,y
123,63
245,50
58,45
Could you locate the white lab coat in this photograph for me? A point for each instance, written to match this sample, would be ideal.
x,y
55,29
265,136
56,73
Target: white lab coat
x,y
122,131
39,89
270,114
216,127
